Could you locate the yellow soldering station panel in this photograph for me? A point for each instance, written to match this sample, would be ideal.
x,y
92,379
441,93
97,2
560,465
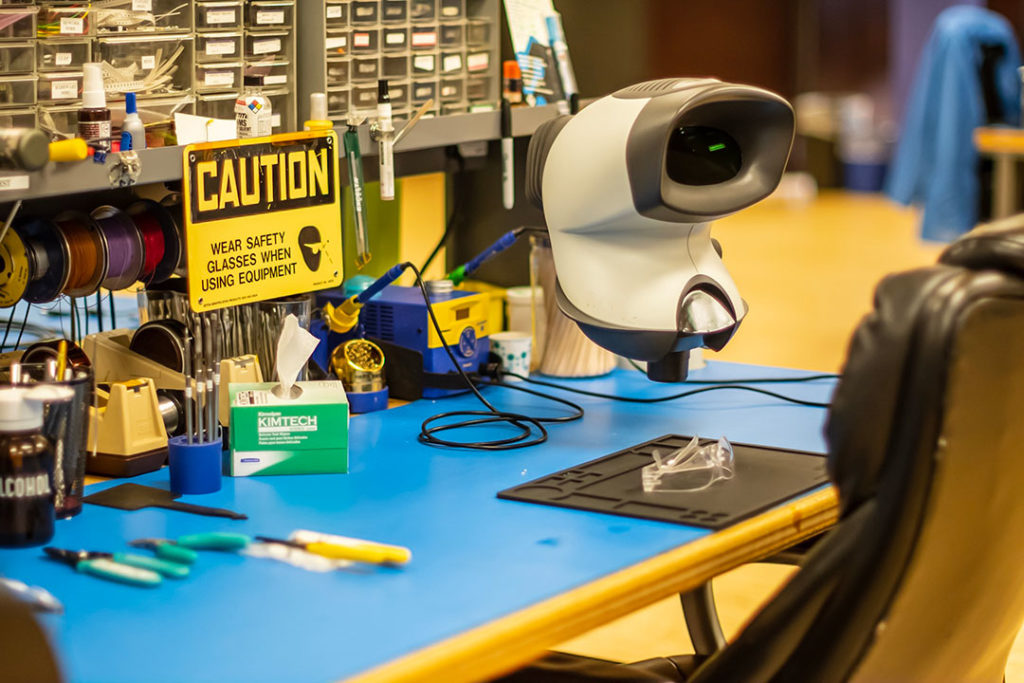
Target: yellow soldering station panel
x,y
455,315
262,218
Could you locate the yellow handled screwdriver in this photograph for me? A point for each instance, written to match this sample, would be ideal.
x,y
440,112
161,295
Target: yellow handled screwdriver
x,y
369,553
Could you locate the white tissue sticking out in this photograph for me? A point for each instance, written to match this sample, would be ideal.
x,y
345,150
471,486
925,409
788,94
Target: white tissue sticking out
x,y
690,468
294,347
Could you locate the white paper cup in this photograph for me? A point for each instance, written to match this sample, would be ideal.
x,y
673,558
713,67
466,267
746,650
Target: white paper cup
x,y
514,350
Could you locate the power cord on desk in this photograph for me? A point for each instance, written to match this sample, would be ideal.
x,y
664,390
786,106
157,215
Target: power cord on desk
x,y
716,385
531,430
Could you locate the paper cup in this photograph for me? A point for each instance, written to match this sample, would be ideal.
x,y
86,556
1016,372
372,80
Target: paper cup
x,y
514,350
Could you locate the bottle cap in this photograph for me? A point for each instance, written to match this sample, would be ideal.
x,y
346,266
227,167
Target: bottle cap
x,y
251,79
21,410
318,106
93,94
33,149
130,106
511,70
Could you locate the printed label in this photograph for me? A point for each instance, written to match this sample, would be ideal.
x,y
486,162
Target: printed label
x,y
13,182
478,62
62,58
366,67
63,90
339,43
452,63
275,119
221,16
360,40
424,39
25,486
264,17
219,78
148,62
364,11
142,5
334,12
395,38
423,63
72,26
220,47
267,45
449,90
279,79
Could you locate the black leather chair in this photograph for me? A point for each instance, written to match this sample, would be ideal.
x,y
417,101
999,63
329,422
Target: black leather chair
x,y
923,576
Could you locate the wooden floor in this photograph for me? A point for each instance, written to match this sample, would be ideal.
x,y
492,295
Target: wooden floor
x,y
807,272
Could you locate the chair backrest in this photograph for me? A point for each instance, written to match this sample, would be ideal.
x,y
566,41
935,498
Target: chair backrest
x,y
923,578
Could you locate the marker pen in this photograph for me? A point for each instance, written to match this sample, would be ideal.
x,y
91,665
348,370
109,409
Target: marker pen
x,y
386,143
508,178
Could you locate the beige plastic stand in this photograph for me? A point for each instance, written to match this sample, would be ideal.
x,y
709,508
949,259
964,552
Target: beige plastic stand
x,y
112,361
243,369
130,423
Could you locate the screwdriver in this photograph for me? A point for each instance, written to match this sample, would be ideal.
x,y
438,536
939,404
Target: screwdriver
x,y
356,552
105,567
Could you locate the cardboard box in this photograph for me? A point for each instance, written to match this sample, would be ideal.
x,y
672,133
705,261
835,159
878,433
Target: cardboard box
x,y
274,435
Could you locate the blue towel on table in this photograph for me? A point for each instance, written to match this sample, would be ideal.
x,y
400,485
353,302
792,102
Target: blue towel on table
x,y
936,162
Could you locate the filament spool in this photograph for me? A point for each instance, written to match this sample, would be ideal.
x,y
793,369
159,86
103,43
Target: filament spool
x,y
162,341
48,259
87,250
42,351
172,203
171,245
14,269
124,247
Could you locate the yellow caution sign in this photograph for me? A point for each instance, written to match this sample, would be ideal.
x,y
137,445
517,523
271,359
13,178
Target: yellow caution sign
x,y
262,218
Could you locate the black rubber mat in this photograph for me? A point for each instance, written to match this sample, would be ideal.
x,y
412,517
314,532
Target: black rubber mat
x,y
764,477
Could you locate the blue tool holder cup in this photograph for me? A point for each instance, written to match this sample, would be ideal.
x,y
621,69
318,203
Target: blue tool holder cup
x,y
196,467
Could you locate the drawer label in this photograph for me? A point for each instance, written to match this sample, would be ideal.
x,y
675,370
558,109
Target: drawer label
x,y
265,17
72,26
64,90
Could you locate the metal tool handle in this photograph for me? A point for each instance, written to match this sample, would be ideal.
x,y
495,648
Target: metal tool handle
x,y
202,510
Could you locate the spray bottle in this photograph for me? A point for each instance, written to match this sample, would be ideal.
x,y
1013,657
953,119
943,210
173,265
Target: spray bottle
x,y
94,117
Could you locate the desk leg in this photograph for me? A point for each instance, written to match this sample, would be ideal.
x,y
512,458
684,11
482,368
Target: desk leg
x,y
1004,186
702,620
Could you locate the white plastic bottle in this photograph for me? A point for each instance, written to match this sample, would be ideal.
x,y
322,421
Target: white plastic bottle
x,y
132,123
252,110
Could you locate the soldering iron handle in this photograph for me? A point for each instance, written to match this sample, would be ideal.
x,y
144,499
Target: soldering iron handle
x,y
380,283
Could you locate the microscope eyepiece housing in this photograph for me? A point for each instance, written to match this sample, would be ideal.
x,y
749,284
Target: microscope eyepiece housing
x,y
629,187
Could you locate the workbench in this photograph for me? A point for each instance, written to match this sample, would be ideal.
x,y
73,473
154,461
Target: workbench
x,y
491,584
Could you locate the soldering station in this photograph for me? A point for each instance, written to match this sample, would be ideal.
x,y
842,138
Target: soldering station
x,y
444,313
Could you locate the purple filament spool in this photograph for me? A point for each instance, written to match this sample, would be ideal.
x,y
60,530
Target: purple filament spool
x,y
124,247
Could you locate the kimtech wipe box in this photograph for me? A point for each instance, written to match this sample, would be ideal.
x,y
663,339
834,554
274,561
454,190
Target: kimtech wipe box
x,y
273,435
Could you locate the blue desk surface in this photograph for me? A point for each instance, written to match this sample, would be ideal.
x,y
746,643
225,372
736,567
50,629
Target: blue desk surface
x,y
475,558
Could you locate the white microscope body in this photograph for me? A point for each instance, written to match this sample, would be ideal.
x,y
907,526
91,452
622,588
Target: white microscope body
x,y
629,187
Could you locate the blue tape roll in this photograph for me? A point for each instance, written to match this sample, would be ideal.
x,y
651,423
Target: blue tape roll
x,y
368,401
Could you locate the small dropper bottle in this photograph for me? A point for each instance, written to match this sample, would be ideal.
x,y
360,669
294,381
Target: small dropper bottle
x,y
94,117
133,123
